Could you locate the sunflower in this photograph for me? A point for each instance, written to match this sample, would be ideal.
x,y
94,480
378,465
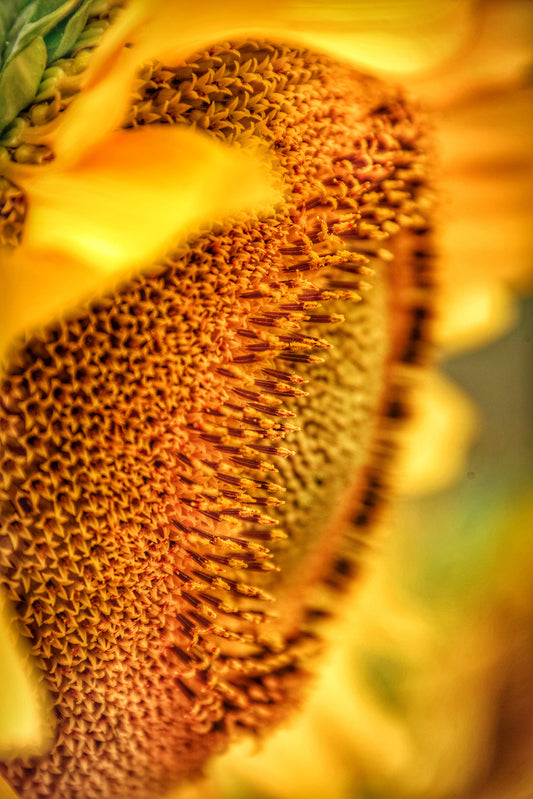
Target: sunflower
x,y
219,284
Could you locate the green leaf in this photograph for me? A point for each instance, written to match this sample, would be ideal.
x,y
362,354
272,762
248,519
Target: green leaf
x,y
20,80
36,20
9,10
22,16
62,39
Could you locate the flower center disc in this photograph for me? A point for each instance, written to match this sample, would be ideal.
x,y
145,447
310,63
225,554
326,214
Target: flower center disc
x,y
190,464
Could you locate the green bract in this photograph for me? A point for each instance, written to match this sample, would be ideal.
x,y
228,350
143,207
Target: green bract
x,y
32,36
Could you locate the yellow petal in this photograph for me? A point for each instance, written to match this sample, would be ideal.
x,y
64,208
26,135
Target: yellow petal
x,y
438,437
104,102
6,791
37,287
385,35
23,728
406,36
488,186
127,202
473,314
119,209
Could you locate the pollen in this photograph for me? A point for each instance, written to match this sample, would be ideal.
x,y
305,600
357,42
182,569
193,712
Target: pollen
x,y
191,465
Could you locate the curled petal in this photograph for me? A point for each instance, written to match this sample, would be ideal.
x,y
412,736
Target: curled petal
x,y
400,36
126,202
120,208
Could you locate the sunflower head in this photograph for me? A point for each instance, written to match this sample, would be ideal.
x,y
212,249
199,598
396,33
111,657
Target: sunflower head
x,y
192,461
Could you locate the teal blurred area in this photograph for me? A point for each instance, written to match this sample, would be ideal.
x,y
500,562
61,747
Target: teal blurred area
x,y
499,378
461,530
